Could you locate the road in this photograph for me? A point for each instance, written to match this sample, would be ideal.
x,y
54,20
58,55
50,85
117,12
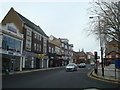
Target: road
x,y
57,78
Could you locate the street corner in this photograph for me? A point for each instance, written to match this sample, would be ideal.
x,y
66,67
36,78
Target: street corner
x,y
91,74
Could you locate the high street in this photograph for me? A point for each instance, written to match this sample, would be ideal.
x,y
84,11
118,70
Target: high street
x,y
56,78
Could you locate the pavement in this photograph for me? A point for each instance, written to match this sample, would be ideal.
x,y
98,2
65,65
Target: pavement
x,y
111,74
27,71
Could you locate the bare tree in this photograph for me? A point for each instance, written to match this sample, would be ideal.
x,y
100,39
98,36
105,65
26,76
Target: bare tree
x,y
109,19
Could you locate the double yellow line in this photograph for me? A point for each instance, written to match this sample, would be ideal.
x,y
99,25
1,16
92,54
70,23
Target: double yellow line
x,y
101,79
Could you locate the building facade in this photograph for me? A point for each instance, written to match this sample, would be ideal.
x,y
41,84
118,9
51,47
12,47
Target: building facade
x,y
80,57
25,46
35,41
66,50
11,47
111,52
55,46
63,51
90,57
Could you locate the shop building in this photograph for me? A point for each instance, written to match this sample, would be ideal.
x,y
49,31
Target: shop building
x,y
55,46
11,47
35,42
51,54
67,51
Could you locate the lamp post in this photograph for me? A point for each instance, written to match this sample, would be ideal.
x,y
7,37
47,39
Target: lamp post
x,y
101,44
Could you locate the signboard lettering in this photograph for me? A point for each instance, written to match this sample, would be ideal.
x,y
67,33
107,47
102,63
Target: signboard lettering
x,y
12,29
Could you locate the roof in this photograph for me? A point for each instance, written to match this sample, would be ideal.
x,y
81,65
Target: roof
x,y
80,53
112,52
113,42
31,24
114,47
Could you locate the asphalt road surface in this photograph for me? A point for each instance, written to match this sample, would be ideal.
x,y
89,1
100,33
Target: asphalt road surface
x,y
57,78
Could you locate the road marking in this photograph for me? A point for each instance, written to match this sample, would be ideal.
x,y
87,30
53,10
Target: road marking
x,y
98,78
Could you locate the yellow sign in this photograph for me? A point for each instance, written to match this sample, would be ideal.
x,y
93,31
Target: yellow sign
x,y
41,55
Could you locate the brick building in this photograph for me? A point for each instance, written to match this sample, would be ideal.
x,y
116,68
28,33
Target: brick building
x,y
35,42
79,57
111,51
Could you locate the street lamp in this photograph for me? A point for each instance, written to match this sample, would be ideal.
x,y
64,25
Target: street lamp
x,y
101,44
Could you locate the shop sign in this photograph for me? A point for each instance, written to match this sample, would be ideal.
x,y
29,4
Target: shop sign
x,y
113,56
41,55
81,57
29,54
12,29
4,51
117,64
17,54
10,52
46,57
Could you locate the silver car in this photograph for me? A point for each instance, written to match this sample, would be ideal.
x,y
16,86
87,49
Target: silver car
x,y
92,64
71,67
82,65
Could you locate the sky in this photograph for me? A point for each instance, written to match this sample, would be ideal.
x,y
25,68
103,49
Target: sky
x,y
61,19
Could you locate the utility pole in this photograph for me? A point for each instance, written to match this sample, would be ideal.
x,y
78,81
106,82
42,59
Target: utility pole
x,y
101,44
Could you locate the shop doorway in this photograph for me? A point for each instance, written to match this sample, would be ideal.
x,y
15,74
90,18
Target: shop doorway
x,y
37,63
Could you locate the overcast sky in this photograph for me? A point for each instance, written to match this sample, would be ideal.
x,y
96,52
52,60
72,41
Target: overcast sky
x,y
60,19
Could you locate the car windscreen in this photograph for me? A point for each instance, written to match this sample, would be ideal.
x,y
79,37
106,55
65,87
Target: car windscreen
x,y
70,65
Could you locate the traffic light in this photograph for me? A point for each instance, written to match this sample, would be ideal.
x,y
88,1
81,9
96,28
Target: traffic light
x,y
95,53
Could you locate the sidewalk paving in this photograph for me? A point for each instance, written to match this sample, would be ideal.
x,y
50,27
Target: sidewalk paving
x,y
110,74
27,71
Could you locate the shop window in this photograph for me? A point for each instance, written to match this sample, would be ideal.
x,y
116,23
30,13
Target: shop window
x,y
17,45
4,42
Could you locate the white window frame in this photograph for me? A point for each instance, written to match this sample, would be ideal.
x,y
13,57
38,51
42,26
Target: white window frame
x,y
35,35
34,46
40,37
29,32
39,47
52,50
28,44
49,49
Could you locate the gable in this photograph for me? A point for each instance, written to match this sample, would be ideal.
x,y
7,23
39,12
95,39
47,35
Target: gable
x,y
11,30
12,17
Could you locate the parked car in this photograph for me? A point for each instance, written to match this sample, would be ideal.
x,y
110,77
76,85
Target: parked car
x,y
71,67
82,65
92,64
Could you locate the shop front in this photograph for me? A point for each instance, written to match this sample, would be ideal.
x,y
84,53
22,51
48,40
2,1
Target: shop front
x,y
11,47
45,62
10,62
30,61
51,59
